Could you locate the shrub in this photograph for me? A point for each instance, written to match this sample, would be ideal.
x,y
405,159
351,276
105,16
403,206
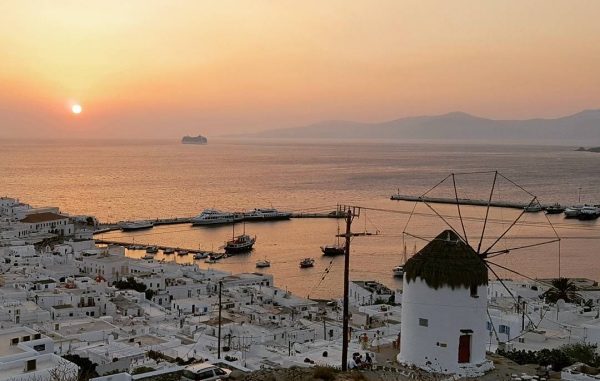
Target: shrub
x,y
324,373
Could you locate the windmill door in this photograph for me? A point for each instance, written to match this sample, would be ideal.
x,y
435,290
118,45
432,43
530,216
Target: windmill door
x,y
464,349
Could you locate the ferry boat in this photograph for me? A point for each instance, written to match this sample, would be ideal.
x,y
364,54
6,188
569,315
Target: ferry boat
x,y
555,209
266,215
263,263
136,225
152,250
214,217
168,251
306,263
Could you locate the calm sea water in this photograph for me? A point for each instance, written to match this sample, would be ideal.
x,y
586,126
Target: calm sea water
x,y
135,180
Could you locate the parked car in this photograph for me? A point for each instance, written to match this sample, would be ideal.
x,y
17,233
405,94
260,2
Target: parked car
x,y
205,372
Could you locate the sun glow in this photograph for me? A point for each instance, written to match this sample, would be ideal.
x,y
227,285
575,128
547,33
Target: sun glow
x,y
76,109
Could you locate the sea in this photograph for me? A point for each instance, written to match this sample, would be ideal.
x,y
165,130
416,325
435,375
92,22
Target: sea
x,y
127,180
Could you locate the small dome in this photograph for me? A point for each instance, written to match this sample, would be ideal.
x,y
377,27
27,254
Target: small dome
x,y
447,261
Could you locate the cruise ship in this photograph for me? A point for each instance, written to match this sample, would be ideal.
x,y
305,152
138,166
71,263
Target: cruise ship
x,y
214,217
266,214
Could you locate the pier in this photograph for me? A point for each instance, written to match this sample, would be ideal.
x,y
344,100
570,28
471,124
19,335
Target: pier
x,y
112,226
464,201
140,247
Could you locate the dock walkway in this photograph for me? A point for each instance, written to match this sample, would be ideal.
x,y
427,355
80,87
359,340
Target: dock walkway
x,y
463,201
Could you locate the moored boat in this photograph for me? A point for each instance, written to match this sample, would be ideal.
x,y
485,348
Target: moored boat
x,y
152,250
589,213
398,271
307,262
182,252
168,251
136,225
213,217
555,209
266,214
148,256
263,263
533,208
336,248
200,255
239,244
573,211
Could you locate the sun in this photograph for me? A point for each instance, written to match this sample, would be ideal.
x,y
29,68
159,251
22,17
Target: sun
x,y
76,109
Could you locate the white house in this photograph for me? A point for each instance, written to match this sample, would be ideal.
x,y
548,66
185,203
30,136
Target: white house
x,y
443,327
108,267
365,293
27,355
46,222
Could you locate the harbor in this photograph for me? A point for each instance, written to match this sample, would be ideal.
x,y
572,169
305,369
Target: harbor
x,y
465,201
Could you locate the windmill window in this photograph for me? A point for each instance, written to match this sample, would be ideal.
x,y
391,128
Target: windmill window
x,y
474,291
504,329
424,322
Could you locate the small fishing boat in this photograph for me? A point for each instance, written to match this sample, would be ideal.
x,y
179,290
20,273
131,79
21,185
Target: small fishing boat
x,y
148,256
200,255
263,263
555,209
398,271
306,263
182,252
573,211
534,208
152,250
589,213
168,251
210,259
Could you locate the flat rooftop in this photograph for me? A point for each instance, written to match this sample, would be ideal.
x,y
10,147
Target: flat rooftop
x,y
84,327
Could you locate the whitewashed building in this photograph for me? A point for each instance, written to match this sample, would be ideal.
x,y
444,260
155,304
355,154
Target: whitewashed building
x,y
443,328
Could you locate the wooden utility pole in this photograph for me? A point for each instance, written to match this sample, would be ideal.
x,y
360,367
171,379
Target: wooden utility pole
x,y
219,338
351,212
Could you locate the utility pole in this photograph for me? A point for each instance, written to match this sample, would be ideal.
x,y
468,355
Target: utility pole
x,y
324,330
351,212
219,338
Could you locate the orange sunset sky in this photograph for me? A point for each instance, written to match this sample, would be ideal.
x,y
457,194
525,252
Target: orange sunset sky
x,y
165,68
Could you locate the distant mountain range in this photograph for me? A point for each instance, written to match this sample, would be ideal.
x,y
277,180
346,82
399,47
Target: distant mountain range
x,y
457,126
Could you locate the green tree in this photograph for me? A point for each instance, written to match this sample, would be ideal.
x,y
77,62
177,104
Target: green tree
x,y
565,289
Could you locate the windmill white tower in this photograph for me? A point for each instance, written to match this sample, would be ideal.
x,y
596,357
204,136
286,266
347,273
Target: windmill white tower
x,y
444,309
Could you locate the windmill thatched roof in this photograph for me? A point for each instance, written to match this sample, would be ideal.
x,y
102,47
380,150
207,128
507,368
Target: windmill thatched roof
x,y
447,261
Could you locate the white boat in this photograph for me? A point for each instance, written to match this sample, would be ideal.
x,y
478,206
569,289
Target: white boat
x,y
398,271
182,252
263,263
148,256
306,263
168,250
573,211
589,212
213,217
533,208
136,225
152,250
266,214
210,260
200,255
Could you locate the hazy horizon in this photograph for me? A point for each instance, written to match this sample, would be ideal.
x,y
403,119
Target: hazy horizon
x,y
162,70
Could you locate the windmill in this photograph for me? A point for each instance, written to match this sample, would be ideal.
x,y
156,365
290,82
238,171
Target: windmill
x,y
446,333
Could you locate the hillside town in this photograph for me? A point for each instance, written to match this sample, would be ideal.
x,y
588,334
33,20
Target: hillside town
x,y
73,309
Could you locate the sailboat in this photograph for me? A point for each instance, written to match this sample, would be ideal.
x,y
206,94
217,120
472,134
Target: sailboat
x,y
336,248
241,243
399,270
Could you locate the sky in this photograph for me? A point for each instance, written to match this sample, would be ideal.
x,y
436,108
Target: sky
x,y
161,69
